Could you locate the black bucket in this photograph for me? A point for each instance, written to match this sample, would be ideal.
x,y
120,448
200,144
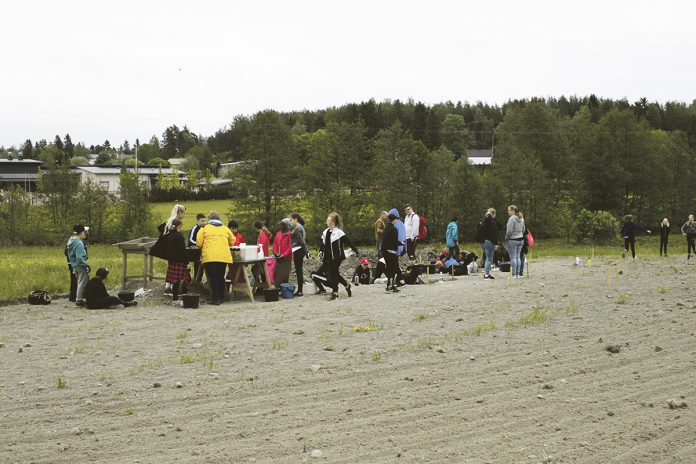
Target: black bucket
x,y
191,300
271,294
126,296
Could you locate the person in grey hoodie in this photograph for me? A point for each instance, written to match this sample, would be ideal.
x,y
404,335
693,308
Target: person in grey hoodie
x,y
77,257
514,235
689,229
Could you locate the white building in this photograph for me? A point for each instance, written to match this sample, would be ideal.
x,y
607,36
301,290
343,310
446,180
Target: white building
x,y
108,177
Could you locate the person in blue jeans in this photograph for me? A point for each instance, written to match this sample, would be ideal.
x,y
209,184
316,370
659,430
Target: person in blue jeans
x,y
514,234
452,238
489,238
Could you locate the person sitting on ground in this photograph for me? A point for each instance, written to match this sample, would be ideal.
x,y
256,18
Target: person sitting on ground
x,y
362,272
97,296
445,264
412,274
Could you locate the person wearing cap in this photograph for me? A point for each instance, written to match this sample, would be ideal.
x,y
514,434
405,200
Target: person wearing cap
x,y
361,275
77,258
390,247
97,296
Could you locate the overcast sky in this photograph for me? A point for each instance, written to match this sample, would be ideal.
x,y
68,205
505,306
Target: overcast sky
x,y
127,69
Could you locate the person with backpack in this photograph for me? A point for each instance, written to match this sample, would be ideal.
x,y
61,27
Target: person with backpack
x,y
487,236
452,238
77,257
689,230
412,224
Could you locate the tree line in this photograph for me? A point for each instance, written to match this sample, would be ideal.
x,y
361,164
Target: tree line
x,y
553,157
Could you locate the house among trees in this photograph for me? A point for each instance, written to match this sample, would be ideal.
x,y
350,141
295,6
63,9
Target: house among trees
x,y
480,157
108,178
19,172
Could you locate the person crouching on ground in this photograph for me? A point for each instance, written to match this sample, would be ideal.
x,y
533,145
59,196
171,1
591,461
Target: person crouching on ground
x,y
77,257
390,246
98,297
177,269
361,275
215,241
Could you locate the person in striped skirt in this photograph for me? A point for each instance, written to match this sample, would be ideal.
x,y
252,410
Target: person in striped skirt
x,y
177,269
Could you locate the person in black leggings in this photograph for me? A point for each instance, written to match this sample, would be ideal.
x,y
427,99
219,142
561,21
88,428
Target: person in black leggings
x,y
689,229
664,236
629,229
332,251
299,247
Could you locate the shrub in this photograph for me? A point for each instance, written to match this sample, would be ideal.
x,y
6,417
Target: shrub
x,y
595,226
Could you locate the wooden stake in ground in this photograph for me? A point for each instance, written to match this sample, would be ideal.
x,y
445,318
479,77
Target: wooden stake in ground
x,y
609,276
529,261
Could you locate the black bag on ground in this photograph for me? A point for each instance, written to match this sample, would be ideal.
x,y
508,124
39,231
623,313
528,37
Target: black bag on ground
x,y
504,266
39,297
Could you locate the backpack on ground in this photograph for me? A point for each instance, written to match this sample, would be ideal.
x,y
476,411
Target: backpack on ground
x,y
422,228
39,297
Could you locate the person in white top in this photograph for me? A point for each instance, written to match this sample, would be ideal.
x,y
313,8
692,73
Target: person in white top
x,y
412,223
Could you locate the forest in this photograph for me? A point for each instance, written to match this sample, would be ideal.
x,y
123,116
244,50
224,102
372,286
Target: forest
x,y
553,157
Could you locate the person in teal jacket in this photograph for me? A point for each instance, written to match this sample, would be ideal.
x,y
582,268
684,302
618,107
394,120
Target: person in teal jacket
x,y
452,238
77,257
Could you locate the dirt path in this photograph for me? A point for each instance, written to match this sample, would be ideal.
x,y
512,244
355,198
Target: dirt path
x,y
467,371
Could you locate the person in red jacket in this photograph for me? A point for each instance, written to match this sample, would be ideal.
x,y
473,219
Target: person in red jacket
x,y
238,236
264,237
282,249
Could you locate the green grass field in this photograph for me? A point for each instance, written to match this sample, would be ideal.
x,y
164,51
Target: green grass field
x,y
30,268
161,211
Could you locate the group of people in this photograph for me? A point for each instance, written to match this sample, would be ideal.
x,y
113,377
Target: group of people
x,y
394,238
86,292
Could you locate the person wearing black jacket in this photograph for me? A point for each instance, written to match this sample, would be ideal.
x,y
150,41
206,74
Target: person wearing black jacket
x,y
487,235
390,245
332,253
664,236
629,230
98,298
177,268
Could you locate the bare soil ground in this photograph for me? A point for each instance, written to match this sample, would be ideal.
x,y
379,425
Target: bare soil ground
x,y
464,371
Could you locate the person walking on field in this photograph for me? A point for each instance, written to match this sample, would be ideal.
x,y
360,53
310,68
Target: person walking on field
x,y
299,249
215,241
332,251
390,246
514,235
452,238
77,257
380,224
412,223
689,230
629,230
664,236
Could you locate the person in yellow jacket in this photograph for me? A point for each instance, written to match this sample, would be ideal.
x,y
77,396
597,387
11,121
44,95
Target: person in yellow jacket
x,y
215,240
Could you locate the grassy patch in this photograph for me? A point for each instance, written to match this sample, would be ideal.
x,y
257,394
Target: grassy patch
x,y
479,329
536,316
61,383
662,290
376,356
190,358
421,316
181,335
622,298
279,344
128,411
367,328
